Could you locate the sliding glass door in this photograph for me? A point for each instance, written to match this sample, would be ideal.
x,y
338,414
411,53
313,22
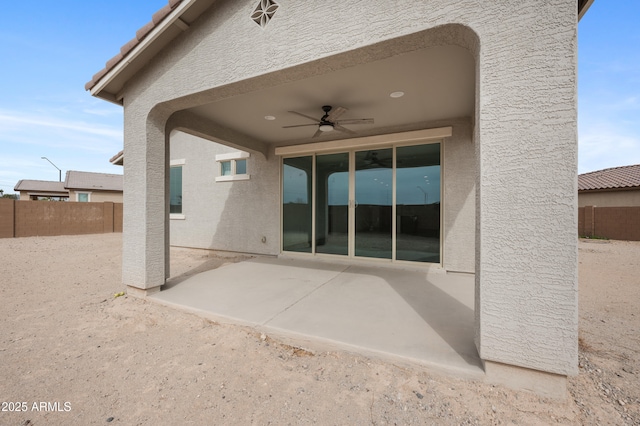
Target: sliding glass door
x,y
332,203
379,203
373,203
296,204
418,203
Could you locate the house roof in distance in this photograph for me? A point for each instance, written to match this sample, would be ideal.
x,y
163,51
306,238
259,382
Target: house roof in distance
x,y
625,177
95,181
40,185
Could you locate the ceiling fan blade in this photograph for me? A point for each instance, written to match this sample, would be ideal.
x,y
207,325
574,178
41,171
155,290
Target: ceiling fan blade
x,y
356,121
317,133
299,125
315,120
335,113
343,129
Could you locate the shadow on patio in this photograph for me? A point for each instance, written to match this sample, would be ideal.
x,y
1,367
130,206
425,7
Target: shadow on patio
x,y
421,316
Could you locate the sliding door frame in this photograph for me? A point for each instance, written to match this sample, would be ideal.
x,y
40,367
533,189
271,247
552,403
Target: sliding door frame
x,y
350,146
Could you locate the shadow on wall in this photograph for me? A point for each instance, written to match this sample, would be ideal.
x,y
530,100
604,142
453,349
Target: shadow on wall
x,y
250,218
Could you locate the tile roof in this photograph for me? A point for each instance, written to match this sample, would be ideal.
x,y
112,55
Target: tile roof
x,y
128,47
96,181
613,178
40,185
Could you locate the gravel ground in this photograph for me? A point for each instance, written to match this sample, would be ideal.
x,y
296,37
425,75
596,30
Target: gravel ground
x,y
72,353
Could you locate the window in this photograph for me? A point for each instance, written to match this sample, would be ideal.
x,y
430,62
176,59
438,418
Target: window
x,y
175,189
241,167
82,197
233,166
225,168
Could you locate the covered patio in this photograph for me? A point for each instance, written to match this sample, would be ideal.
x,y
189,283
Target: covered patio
x,y
420,315
413,94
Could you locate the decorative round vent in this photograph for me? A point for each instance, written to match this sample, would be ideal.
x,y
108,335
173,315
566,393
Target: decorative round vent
x,y
264,12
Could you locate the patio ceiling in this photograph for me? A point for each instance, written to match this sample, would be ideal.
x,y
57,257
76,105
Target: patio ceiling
x,y
438,83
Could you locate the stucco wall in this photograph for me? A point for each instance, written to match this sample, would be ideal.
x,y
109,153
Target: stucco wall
x,y
609,199
98,196
231,216
524,135
459,222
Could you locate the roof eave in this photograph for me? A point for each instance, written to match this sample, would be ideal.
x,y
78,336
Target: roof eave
x,y
616,189
583,7
108,86
118,159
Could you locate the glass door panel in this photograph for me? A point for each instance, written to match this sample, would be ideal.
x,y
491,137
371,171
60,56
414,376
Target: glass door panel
x,y
373,203
296,204
332,203
418,203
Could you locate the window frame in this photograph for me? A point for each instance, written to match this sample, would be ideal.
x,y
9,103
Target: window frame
x,y
82,193
233,158
175,164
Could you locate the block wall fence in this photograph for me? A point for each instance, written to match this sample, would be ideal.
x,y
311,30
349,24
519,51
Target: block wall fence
x,y
615,223
49,218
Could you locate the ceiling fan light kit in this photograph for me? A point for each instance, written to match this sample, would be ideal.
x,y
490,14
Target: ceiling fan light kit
x,y
330,122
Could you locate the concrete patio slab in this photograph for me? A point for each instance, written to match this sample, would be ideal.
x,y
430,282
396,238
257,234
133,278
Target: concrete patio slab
x,y
424,316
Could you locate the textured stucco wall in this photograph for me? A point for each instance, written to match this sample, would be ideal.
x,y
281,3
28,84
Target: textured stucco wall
x,y
524,135
459,177
609,199
231,216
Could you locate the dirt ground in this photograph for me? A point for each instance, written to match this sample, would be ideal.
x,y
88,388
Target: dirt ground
x,y
72,353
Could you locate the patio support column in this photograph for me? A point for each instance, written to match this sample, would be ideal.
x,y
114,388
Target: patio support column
x,y
526,210
145,251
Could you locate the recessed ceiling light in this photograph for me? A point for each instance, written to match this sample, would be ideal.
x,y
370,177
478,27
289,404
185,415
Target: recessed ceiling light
x,y
397,94
269,117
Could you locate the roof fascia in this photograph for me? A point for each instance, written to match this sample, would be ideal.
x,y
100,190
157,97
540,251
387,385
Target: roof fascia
x,y
584,9
173,18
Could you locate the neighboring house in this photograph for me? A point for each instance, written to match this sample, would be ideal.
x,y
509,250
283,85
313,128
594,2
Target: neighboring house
x,y
609,203
451,142
77,186
614,187
37,189
94,187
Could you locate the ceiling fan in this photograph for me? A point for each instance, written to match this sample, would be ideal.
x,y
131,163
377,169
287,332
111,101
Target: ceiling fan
x,y
330,122
371,161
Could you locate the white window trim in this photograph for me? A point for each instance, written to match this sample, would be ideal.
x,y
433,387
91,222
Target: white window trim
x,y
83,192
367,141
232,157
238,155
175,163
230,178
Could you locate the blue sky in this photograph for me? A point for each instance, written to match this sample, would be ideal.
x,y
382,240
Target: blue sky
x,y
51,49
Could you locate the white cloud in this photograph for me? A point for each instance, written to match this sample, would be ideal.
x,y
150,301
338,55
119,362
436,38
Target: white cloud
x,y
604,145
13,120
103,112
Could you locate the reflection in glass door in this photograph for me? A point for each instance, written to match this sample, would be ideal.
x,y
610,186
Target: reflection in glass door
x,y
332,203
296,204
373,203
418,203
